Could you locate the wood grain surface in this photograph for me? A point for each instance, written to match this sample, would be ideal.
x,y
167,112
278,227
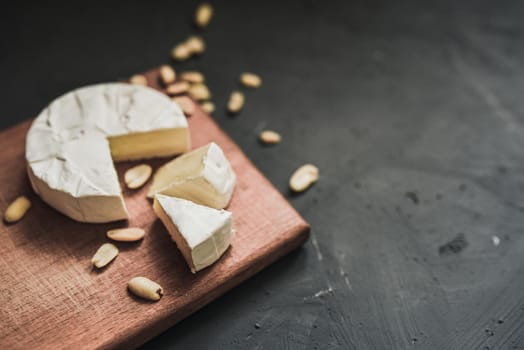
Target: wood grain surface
x,y
51,297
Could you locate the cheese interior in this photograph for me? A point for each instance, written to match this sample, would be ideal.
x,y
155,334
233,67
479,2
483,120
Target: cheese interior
x,y
145,145
188,165
203,176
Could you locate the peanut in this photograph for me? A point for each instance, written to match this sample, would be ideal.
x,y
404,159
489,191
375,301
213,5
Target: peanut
x,y
203,15
129,234
195,44
270,137
167,74
145,288
138,79
17,209
104,255
137,176
208,107
303,178
181,52
236,102
250,80
192,77
186,104
178,88
199,92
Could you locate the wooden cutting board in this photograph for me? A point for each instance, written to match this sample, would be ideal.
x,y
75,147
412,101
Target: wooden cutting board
x,y
50,297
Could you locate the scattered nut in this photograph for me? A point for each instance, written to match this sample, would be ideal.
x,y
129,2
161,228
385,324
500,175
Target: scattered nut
x,y
192,77
17,209
167,74
303,178
208,107
250,80
181,52
178,88
195,44
236,102
104,255
186,104
137,176
129,234
269,137
203,15
145,288
138,79
199,92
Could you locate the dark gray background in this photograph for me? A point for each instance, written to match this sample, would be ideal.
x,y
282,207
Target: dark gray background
x,y
385,97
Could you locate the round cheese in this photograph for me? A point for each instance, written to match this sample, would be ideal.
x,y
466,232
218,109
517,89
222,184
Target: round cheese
x,y
71,146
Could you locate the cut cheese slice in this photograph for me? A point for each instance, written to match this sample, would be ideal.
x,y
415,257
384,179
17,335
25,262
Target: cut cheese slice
x,y
203,176
72,144
202,234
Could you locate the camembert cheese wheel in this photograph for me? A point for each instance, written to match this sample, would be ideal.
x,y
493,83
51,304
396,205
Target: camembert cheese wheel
x,y
72,144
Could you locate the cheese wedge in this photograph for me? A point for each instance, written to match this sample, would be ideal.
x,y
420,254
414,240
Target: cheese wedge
x,y
71,146
202,234
203,176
